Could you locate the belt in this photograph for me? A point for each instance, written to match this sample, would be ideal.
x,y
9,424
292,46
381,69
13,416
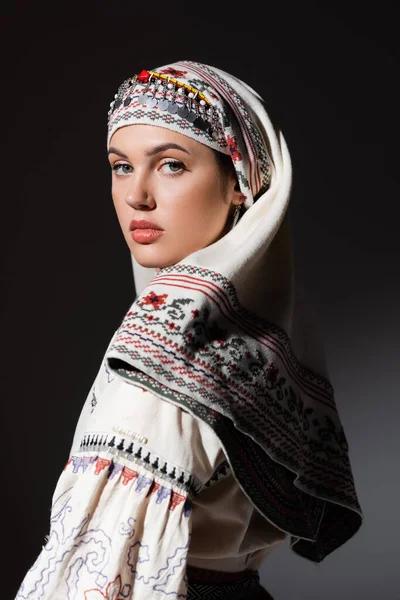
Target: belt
x,y
206,584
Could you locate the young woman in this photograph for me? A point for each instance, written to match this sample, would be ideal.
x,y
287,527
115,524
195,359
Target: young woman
x,y
210,433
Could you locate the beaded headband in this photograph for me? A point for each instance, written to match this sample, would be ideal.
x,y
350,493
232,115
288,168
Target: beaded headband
x,y
173,97
198,101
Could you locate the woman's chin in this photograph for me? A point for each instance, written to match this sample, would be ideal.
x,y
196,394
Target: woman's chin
x,y
153,262
153,257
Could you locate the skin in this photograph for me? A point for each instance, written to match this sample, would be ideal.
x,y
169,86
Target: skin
x,y
182,190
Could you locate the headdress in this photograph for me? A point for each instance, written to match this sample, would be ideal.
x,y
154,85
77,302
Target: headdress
x,y
180,100
227,333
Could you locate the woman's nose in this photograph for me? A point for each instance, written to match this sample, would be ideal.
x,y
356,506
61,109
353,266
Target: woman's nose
x,y
138,194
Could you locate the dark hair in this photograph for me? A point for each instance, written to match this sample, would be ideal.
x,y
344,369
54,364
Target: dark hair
x,y
227,167
225,163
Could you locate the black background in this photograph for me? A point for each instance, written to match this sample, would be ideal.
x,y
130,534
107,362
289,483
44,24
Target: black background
x,y
328,74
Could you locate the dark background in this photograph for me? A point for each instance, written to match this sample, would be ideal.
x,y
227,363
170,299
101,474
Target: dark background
x,y
329,76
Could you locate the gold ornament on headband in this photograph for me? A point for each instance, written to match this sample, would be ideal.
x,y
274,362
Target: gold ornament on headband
x,y
157,90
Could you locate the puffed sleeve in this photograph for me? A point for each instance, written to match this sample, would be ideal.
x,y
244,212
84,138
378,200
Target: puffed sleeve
x,y
121,516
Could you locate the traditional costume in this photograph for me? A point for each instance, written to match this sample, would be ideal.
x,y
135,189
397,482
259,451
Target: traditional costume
x,y
211,432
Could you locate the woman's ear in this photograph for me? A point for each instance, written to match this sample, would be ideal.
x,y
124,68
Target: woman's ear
x,y
236,196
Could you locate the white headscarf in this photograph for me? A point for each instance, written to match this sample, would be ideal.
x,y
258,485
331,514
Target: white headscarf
x,y
227,332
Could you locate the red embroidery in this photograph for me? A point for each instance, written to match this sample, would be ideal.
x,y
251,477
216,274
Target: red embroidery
x,y
113,591
155,300
176,499
101,463
232,145
173,72
154,487
128,475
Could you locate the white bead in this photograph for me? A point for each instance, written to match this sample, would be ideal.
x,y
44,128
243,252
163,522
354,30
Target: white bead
x,y
191,95
202,102
170,86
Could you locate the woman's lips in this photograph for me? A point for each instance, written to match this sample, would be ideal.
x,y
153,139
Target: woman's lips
x,y
146,236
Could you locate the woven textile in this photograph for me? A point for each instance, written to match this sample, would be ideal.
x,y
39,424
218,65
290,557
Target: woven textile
x,y
228,334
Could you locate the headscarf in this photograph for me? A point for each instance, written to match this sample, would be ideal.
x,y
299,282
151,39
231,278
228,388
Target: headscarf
x,y
227,333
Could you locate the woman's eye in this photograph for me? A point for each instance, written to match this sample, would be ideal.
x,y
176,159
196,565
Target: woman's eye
x,y
122,169
173,167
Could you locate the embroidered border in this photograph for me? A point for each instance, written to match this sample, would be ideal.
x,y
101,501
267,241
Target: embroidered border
x,y
221,472
136,453
269,485
260,175
276,419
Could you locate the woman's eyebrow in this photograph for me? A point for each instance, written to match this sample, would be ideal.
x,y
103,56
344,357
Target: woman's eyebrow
x,y
115,151
163,147
152,151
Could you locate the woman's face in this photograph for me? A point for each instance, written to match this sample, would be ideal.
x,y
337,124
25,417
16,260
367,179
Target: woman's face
x,y
176,184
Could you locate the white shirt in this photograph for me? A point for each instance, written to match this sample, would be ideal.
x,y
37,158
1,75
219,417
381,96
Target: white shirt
x,y
146,491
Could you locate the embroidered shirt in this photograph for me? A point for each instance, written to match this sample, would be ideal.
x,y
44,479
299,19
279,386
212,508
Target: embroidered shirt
x,y
146,490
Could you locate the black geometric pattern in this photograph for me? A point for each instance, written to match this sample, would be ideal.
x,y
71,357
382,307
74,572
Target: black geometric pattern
x,y
187,340
138,454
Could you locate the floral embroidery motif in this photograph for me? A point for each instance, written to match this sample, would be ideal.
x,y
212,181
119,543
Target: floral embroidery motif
x,y
112,592
154,300
276,418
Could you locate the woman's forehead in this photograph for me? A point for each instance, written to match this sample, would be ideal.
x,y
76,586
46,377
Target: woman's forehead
x,y
143,136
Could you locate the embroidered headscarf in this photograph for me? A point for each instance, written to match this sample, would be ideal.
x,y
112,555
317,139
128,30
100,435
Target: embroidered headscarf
x,y
227,333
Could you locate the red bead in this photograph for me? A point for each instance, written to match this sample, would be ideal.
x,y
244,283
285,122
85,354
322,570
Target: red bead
x,y
143,76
